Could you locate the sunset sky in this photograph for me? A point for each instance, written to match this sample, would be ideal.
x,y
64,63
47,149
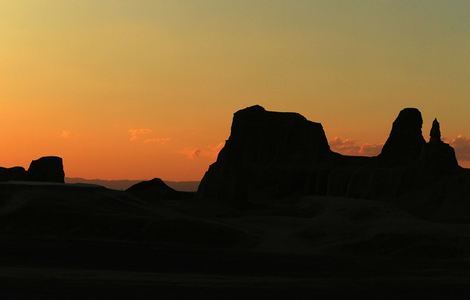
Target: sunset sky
x,y
139,89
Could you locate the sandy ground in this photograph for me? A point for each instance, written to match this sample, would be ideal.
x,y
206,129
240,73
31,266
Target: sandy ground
x,y
86,242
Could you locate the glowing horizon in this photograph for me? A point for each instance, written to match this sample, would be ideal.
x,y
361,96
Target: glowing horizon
x,y
141,89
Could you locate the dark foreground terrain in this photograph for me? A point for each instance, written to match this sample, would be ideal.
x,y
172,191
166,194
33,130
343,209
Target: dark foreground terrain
x,y
61,241
277,216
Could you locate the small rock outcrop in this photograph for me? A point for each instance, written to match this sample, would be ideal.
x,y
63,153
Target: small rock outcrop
x,y
156,189
268,154
47,169
406,140
13,174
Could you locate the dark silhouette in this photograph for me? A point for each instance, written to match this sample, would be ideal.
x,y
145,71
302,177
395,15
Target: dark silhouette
x,y
437,156
13,174
268,154
278,215
156,189
435,135
121,185
405,142
48,169
272,156
44,169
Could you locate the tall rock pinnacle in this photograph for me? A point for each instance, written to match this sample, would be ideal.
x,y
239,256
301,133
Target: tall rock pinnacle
x,y
435,132
406,139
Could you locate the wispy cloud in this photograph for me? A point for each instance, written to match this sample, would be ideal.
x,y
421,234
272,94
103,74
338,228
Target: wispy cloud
x,y
191,153
161,141
352,147
210,151
146,136
461,145
370,149
65,134
138,133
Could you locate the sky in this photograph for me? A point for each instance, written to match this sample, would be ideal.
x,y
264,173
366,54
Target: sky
x,y
138,89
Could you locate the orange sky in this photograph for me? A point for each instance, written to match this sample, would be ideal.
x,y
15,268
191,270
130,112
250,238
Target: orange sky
x,y
142,89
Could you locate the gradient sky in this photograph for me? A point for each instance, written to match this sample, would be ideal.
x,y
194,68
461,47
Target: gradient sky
x,y
141,89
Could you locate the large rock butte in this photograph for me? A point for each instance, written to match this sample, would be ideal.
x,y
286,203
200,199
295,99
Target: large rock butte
x,y
47,169
268,154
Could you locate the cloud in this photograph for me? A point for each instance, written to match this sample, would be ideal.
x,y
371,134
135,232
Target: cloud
x,y
145,135
370,149
210,151
345,146
191,153
461,145
138,133
161,141
351,147
65,134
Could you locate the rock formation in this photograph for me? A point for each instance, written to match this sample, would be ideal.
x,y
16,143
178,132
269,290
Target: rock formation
x,y
13,174
47,169
44,169
272,155
406,141
268,154
436,155
435,134
156,189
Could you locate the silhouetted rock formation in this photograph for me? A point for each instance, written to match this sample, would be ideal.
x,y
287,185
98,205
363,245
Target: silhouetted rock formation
x,y
268,154
406,141
273,155
47,169
435,134
44,169
156,189
436,155
13,174
401,169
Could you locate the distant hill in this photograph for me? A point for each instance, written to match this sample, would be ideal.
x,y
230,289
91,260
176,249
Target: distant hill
x,y
184,186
